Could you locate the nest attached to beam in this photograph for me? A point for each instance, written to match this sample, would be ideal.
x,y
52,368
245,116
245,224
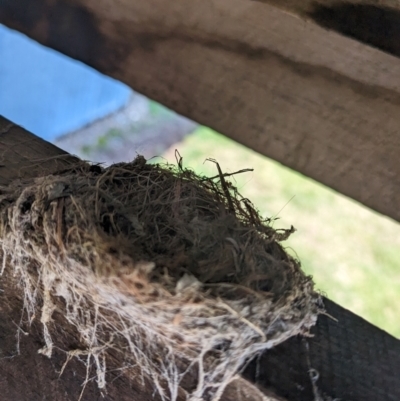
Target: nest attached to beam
x,y
177,271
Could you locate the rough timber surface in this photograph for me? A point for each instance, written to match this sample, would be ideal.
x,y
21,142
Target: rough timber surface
x,y
374,22
355,360
23,154
273,79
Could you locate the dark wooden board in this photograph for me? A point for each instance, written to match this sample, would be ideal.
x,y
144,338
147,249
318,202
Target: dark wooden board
x,y
355,362
23,154
373,22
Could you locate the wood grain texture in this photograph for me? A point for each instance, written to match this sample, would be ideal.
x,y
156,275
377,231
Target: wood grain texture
x,y
373,22
23,154
354,361
316,101
306,7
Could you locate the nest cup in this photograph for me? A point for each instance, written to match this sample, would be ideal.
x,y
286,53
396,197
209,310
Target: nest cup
x,y
175,270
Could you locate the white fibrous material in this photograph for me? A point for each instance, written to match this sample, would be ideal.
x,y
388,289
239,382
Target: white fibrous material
x,y
176,271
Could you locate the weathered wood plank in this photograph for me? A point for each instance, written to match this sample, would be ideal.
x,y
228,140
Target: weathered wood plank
x,y
306,7
374,22
355,360
316,101
23,154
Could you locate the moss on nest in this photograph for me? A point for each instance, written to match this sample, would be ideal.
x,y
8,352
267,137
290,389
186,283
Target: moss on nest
x,y
177,271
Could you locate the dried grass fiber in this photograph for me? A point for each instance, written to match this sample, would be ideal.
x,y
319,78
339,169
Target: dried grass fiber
x,y
177,271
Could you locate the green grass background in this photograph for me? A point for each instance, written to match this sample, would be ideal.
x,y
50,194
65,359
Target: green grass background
x,y
352,253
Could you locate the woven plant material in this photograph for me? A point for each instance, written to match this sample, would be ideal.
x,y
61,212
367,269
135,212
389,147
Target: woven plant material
x,y
177,271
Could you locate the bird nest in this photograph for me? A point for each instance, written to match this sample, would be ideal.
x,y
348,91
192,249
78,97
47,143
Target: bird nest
x,y
177,270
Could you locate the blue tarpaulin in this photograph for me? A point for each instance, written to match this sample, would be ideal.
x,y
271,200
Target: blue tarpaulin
x,y
48,93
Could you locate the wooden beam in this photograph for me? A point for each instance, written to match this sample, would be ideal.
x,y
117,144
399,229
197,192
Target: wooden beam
x,y
307,8
24,155
354,360
316,101
374,22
